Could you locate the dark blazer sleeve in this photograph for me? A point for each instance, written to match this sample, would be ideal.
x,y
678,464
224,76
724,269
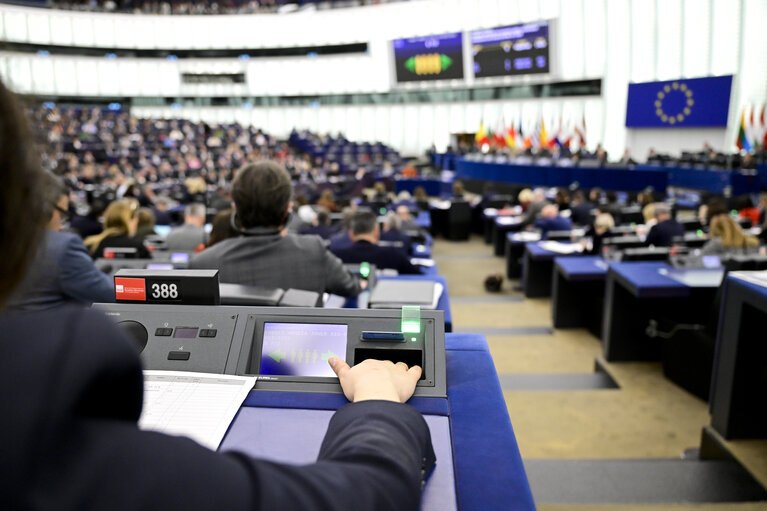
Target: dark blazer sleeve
x,y
653,237
338,281
78,276
90,454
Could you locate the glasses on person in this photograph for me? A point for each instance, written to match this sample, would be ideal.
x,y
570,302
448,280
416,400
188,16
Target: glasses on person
x,y
64,213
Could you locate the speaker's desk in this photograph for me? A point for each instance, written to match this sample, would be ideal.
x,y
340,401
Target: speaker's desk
x,y
486,464
639,291
577,292
502,225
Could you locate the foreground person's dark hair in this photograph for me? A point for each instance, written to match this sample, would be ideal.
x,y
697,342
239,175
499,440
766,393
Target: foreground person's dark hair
x,y
22,213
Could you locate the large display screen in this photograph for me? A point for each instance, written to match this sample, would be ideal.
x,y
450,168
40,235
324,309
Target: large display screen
x,y
438,57
510,51
301,349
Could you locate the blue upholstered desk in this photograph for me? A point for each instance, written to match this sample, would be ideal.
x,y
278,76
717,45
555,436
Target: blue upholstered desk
x,y
487,465
738,391
638,291
538,267
502,225
577,293
612,177
515,250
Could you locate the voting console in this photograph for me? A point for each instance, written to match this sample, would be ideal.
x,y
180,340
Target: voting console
x,y
288,348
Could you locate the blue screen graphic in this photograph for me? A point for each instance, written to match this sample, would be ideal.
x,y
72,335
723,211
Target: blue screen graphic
x,y
301,349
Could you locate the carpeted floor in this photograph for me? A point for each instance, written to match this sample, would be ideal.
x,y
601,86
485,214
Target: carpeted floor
x,y
646,417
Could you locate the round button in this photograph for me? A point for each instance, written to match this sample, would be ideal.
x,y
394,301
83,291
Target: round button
x,y
136,331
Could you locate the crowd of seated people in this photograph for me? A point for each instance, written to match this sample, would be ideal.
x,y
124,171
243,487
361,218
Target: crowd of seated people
x,y
67,447
196,7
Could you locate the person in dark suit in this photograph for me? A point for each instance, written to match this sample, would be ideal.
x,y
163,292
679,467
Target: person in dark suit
x,y
62,272
392,232
663,233
581,209
89,225
71,439
265,254
551,221
365,234
320,226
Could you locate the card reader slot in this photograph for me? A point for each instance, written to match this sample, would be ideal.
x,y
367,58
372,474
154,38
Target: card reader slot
x,y
410,357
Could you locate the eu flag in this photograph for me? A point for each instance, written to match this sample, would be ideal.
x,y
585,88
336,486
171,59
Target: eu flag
x,y
683,103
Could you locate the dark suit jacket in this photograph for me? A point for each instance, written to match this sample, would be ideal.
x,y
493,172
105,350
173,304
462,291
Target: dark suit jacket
x,y
553,224
581,213
381,257
323,231
271,260
396,235
70,439
62,273
662,234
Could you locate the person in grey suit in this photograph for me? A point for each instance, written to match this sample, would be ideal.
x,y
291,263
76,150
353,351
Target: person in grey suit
x,y
265,254
188,237
62,272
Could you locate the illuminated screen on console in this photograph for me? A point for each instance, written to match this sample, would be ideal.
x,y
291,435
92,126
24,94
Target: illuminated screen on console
x,y
301,349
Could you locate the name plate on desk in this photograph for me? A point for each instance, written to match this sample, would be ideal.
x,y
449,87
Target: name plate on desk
x,y
181,287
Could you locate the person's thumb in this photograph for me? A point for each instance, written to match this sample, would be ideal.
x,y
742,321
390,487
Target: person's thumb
x,y
415,373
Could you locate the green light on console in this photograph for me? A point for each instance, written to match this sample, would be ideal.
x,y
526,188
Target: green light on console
x,y
365,269
411,319
411,327
413,339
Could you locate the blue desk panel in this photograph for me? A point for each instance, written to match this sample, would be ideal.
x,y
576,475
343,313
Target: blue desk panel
x,y
615,178
582,268
423,219
487,464
645,281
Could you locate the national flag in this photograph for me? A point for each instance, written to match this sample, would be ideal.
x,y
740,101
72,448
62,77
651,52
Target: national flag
x,y
511,136
763,124
754,134
543,135
481,137
555,140
742,142
499,136
580,131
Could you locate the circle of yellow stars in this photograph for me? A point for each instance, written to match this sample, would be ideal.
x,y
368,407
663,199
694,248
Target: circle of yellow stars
x,y
673,119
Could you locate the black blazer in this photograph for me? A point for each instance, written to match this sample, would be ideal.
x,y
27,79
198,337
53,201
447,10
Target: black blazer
x,y
382,257
663,234
70,396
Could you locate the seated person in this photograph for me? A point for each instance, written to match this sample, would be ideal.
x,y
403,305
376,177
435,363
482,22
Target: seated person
x,y
320,225
71,439
601,230
662,234
120,224
145,224
727,236
533,211
550,220
580,211
189,236
265,254
365,234
221,228
406,219
62,272
342,238
392,231
89,225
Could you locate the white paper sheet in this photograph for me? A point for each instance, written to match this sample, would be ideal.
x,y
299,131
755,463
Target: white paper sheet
x,y
198,405
561,248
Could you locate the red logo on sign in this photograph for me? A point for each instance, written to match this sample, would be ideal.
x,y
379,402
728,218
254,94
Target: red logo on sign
x,y
130,289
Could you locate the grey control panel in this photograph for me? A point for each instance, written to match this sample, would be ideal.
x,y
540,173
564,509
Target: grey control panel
x,y
288,348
